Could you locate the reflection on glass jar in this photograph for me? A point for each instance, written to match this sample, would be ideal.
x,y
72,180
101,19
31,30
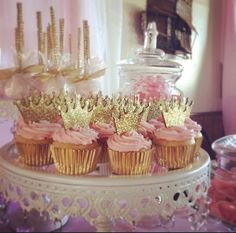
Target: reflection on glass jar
x,y
223,185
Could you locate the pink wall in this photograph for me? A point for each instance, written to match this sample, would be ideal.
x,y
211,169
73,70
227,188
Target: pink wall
x,y
229,66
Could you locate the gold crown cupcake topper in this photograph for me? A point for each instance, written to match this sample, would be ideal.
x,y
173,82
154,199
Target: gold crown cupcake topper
x,y
175,111
36,107
155,107
102,109
76,112
125,119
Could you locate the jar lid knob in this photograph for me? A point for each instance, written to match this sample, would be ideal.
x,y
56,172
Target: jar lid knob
x,y
151,33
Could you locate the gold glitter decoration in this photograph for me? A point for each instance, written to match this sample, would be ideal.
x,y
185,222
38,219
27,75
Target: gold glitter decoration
x,y
175,111
37,106
102,109
154,109
127,119
75,112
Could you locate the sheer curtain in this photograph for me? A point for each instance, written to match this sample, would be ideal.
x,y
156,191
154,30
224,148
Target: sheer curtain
x,y
104,17
229,69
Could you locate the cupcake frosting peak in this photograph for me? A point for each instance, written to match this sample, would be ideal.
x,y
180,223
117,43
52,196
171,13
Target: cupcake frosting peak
x,y
191,124
84,136
104,130
36,130
129,141
174,133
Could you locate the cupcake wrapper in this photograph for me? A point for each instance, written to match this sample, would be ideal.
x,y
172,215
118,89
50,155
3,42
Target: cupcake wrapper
x,y
130,163
75,160
34,154
104,157
198,144
173,157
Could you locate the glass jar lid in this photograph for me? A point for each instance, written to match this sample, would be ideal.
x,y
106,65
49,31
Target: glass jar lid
x,y
149,58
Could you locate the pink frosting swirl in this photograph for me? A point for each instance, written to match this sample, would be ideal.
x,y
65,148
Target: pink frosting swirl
x,y
79,136
36,130
145,128
129,141
104,130
156,123
190,124
174,133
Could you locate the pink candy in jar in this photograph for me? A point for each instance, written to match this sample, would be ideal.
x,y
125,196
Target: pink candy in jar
x,y
223,196
223,184
151,86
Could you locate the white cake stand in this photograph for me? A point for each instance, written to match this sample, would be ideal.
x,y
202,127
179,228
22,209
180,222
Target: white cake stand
x,y
102,199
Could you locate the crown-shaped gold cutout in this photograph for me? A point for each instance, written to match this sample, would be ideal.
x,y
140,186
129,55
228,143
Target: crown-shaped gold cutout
x,y
76,112
155,107
127,116
37,106
102,109
175,111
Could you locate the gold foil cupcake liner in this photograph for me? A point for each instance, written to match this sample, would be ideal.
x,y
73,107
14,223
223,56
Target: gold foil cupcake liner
x,y
34,154
174,157
75,160
130,163
104,157
198,144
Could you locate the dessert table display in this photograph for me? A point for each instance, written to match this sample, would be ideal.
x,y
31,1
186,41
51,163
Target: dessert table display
x,y
47,181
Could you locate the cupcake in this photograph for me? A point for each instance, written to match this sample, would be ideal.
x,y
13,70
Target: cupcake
x,y
174,146
190,124
75,151
146,129
130,153
104,131
156,123
33,141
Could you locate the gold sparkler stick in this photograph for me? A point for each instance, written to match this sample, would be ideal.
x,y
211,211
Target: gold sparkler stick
x,y
53,25
19,34
61,23
49,41
78,48
44,37
40,35
70,47
86,46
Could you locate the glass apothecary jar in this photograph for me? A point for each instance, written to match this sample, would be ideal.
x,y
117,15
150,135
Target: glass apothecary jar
x,y
222,192
149,73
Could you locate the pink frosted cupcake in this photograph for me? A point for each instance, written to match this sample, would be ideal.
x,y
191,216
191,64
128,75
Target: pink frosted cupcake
x,y
130,153
175,146
33,141
190,124
75,151
146,129
156,123
104,131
